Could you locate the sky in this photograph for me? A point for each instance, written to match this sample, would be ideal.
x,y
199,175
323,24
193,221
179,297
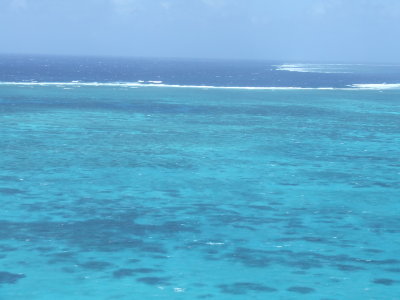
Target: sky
x,y
285,30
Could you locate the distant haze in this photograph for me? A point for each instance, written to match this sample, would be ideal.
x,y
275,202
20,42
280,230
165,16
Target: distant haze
x,y
285,30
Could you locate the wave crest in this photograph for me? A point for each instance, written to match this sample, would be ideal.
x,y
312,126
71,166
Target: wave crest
x,y
375,86
315,68
158,84
154,84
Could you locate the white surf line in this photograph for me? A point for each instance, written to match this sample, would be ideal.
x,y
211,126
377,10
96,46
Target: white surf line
x,y
361,86
375,86
139,84
314,68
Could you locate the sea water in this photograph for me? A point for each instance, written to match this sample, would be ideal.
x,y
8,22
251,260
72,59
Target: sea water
x,y
146,191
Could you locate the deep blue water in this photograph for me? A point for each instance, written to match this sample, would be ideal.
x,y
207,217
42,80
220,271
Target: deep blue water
x,y
114,192
192,72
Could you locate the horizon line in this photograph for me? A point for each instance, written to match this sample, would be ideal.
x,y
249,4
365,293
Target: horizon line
x,y
186,58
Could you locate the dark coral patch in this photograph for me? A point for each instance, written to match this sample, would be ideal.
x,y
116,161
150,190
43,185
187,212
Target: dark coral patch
x,y
130,272
9,191
244,227
251,257
95,265
10,278
61,257
145,270
373,250
44,249
68,270
301,289
5,248
241,288
159,257
299,272
394,270
205,296
303,260
121,273
349,268
391,261
261,207
384,281
106,235
154,280
64,255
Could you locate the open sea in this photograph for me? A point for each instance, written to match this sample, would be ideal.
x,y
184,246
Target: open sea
x,y
136,179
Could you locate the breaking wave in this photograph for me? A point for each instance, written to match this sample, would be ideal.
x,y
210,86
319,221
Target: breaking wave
x,y
159,84
315,68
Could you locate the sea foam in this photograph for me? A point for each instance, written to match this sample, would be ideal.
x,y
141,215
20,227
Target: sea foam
x,y
143,84
376,86
315,68
156,84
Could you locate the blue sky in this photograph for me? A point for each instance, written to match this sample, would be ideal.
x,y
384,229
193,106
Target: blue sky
x,y
298,30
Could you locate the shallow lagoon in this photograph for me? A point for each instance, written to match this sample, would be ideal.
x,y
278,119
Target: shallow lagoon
x,y
175,193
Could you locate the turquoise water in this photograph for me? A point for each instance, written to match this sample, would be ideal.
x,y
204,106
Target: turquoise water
x,y
174,193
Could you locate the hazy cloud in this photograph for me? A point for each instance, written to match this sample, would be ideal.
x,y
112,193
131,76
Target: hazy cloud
x,y
216,3
17,5
334,30
127,7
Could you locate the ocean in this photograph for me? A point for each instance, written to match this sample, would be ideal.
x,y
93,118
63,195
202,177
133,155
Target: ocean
x,y
191,179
